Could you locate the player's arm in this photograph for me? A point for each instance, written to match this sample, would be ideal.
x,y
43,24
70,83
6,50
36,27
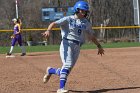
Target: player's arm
x,y
100,48
47,32
94,39
59,22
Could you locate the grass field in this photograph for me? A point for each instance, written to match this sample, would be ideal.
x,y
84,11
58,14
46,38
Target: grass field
x,y
17,49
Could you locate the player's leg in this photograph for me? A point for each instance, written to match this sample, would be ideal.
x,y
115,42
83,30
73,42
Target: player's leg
x,y
76,53
49,72
68,57
68,64
55,71
21,45
12,46
65,54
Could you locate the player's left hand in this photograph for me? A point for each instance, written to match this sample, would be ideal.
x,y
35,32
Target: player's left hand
x,y
100,51
46,34
12,36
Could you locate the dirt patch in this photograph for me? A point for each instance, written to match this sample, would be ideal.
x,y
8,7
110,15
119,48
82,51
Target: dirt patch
x,y
118,71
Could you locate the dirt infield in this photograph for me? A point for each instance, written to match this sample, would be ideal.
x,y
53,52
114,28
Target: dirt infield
x,y
118,71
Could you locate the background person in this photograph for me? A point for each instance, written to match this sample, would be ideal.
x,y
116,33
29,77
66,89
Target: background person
x,y
16,37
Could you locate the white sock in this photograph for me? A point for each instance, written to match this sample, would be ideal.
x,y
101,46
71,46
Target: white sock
x,y
11,50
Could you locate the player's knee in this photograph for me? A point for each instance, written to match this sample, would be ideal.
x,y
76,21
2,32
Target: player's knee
x,y
64,73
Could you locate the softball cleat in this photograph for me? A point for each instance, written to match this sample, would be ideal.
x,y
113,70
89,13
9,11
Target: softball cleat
x,y
9,54
47,76
23,54
62,91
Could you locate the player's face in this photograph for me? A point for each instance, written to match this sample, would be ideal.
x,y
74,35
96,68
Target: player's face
x,y
82,13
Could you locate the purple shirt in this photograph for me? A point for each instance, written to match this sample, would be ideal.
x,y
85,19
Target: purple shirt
x,y
16,28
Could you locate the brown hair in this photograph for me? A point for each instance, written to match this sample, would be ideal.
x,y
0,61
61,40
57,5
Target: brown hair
x,y
19,21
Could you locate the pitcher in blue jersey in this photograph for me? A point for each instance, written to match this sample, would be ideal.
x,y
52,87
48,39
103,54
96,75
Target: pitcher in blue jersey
x,y
16,37
73,29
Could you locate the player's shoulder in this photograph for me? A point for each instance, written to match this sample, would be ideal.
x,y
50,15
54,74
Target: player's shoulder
x,y
69,17
17,24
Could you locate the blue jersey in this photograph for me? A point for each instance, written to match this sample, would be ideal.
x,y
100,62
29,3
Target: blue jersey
x,y
74,29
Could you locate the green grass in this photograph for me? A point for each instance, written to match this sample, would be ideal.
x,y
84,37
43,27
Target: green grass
x,y
56,47
113,45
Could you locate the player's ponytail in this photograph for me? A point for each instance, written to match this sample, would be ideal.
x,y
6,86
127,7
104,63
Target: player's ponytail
x,y
19,21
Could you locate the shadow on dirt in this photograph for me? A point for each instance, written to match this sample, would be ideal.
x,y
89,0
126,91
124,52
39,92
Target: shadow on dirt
x,y
103,90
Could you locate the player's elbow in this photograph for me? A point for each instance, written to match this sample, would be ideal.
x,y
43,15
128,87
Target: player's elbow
x,y
53,24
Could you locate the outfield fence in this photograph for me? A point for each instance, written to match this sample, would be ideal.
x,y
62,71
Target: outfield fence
x,y
57,29
104,34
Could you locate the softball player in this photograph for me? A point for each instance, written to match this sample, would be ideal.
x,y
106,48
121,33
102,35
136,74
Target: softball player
x,y
17,37
73,29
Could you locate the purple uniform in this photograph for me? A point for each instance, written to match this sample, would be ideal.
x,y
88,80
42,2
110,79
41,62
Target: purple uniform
x,y
17,36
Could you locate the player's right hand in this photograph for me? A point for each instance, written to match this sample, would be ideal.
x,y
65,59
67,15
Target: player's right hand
x,y
46,34
12,36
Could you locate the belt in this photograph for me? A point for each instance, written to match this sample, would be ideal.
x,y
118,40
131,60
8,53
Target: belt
x,y
74,41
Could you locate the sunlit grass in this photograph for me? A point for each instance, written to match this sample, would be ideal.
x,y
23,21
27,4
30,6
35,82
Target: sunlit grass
x,y
56,47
